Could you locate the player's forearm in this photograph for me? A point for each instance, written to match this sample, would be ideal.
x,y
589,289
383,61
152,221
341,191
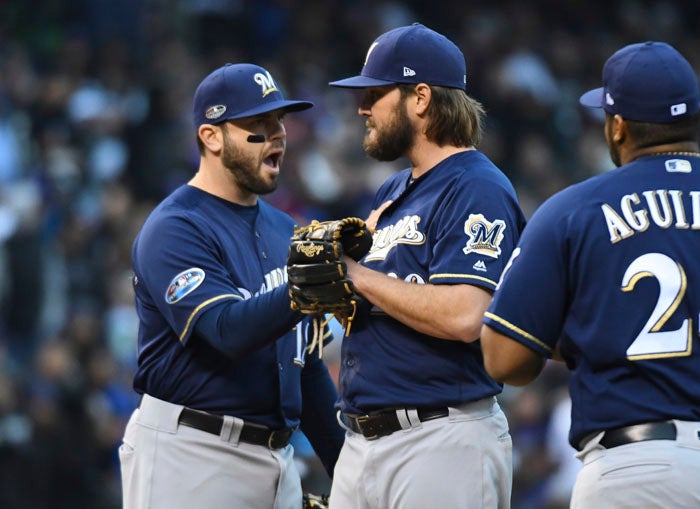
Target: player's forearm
x,y
451,312
508,361
238,328
318,420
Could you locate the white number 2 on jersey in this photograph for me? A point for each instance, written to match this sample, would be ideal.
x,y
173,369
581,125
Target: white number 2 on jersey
x,y
651,343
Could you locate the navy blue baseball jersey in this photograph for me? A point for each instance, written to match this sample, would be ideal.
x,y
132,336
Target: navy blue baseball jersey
x,y
196,251
607,270
456,224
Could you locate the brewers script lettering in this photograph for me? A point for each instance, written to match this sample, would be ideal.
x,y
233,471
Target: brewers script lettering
x,y
405,231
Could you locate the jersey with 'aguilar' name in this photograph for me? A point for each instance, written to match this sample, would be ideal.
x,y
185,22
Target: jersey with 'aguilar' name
x,y
608,271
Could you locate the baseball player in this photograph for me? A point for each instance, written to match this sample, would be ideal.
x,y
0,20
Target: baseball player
x,y
222,365
424,428
606,277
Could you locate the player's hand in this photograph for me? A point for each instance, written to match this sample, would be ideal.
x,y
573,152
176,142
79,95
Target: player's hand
x,y
373,217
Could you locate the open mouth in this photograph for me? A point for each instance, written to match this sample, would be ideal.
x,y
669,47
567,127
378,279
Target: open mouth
x,y
273,159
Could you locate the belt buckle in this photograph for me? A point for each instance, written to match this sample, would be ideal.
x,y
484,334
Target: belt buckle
x,y
361,420
277,439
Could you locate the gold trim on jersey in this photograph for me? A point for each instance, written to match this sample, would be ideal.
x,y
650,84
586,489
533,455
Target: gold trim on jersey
x,y
684,353
514,328
203,305
464,276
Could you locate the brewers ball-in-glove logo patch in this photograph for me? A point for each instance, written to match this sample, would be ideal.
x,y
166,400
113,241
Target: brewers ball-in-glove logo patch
x,y
184,283
484,236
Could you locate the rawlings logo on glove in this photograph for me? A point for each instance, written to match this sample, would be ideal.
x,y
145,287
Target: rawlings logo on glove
x,y
309,250
317,274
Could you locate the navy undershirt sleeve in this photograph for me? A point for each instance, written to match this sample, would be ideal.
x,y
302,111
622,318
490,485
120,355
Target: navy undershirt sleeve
x,y
318,421
237,328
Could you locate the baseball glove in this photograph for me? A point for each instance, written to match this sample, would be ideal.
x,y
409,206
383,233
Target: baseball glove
x,y
317,274
315,501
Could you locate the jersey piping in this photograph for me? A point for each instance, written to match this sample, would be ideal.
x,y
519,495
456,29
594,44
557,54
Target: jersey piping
x,y
518,330
202,306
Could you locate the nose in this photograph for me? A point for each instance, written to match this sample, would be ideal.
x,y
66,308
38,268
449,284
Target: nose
x,y
276,130
365,108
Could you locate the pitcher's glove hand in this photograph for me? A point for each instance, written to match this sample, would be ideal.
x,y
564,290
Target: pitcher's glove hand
x,y
315,501
317,274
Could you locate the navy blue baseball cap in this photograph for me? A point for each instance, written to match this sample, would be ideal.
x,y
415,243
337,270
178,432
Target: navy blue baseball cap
x,y
410,54
237,91
647,82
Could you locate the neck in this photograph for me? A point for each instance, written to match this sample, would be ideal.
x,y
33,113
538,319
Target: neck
x,y
688,148
217,180
425,155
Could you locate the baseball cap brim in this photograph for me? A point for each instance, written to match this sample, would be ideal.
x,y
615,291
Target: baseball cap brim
x,y
593,98
271,106
360,82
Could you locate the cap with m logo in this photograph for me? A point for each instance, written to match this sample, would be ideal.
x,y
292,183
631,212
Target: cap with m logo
x,y
237,91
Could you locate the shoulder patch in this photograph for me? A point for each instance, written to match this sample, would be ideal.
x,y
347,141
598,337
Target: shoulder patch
x,y
183,284
484,236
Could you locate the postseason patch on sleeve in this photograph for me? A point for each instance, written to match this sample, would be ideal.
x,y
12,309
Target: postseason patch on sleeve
x,y
183,284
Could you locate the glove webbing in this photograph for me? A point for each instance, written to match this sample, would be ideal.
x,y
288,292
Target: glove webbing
x,y
315,501
319,323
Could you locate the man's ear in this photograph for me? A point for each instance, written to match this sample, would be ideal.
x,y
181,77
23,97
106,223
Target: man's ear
x,y
619,130
423,97
212,137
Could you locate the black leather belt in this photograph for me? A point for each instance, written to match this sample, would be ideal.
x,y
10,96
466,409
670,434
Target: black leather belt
x,y
665,430
381,424
251,433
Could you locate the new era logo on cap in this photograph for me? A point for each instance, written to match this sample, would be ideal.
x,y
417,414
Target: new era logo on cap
x,y
407,71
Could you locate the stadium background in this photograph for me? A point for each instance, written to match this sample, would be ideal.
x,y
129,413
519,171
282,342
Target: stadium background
x,y
95,128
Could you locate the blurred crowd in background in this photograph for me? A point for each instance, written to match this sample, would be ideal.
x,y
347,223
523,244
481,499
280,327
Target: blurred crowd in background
x,y
95,129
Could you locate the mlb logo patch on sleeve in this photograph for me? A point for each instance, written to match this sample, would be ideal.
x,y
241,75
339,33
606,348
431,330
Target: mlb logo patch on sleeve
x,y
183,284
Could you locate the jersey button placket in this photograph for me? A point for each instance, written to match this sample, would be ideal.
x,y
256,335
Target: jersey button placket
x,y
263,253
